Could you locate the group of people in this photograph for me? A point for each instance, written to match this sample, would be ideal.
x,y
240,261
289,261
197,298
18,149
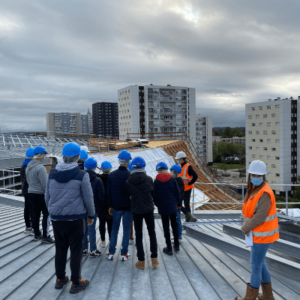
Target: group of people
x,y
74,195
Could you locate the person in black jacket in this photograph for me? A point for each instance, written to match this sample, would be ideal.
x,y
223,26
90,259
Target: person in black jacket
x,y
166,196
90,166
175,170
83,157
119,205
140,187
103,214
27,204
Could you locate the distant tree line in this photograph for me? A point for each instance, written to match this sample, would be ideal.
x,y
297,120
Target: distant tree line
x,y
229,133
222,150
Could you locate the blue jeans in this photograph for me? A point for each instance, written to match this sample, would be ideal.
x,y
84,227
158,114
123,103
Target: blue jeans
x,y
259,271
117,216
179,225
91,231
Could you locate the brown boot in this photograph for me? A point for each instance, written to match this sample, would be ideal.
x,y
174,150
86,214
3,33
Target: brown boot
x,y
155,262
267,292
140,265
251,294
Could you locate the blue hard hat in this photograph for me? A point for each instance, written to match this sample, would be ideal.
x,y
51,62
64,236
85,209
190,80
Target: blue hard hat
x,y
71,149
39,150
138,162
83,154
161,165
124,155
176,168
30,152
90,163
106,165
130,166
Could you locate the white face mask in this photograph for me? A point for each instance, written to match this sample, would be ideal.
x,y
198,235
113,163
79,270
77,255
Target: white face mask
x,y
178,162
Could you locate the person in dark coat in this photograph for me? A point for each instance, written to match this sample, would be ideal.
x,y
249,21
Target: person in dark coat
x,y
175,170
166,196
140,188
90,166
27,205
83,157
103,213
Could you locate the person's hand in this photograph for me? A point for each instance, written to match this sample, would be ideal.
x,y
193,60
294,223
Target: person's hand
x,y
110,211
89,221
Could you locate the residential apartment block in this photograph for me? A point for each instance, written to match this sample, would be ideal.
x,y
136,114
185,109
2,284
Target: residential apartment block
x,y
87,123
203,141
63,123
271,136
157,109
235,140
105,119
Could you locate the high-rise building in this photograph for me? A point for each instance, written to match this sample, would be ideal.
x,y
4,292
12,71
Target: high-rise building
x,y
87,123
271,136
203,141
157,109
63,123
105,119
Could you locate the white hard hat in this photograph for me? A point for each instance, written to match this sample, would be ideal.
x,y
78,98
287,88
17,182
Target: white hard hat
x,y
85,148
258,167
180,154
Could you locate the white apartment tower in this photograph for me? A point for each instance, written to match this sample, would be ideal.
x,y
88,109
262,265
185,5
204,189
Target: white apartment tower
x,y
157,109
271,136
203,141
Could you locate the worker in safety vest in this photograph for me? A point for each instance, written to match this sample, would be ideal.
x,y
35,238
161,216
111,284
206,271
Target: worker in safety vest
x,y
189,177
259,211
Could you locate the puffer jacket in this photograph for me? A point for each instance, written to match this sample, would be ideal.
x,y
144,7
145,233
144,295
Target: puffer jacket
x,y
166,194
103,210
98,189
140,188
36,176
69,194
117,192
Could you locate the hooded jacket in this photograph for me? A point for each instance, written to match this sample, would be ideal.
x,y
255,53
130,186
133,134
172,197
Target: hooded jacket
x,y
166,194
69,194
23,176
98,189
36,176
140,188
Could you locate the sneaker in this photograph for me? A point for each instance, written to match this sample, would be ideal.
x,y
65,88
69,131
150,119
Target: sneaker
x,y
176,248
28,230
125,257
76,288
32,232
131,242
38,238
168,251
102,244
48,240
85,252
95,253
60,283
109,256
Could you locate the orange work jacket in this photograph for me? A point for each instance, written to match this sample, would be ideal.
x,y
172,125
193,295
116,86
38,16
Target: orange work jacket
x,y
267,232
186,177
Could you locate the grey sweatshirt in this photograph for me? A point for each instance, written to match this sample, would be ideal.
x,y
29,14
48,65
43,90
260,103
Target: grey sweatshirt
x,y
36,176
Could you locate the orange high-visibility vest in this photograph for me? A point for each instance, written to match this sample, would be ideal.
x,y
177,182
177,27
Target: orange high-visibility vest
x,y
186,177
267,232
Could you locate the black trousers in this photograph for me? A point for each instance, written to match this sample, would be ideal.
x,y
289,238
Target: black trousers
x,y
102,223
68,234
166,220
138,226
27,211
38,205
187,199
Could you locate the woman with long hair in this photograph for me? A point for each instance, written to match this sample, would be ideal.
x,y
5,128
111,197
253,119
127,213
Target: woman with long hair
x,y
259,211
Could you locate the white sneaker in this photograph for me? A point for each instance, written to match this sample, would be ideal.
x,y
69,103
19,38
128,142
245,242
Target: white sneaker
x,y
95,253
109,256
125,257
131,242
102,244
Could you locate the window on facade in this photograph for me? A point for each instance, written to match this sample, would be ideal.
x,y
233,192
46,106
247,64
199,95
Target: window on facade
x,y
276,123
265,148
269,141
250,132
277,158
269,107
260,108
277,141
273,166
257,132
273,131
261,124
250,147
273,115
269,124
273,149
253,108
253,155
261,140
253,140
265,116
269,157
257,148
257,116
265,132
250,116
261,157
277,106
253,124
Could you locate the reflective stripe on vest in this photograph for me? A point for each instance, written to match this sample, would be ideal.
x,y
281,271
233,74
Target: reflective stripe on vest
x,y
270,218
266,233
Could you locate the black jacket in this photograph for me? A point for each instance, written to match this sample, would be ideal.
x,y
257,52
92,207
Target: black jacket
x,y
140,188
81,164
103,210
181,189
191,172
117,192
23,177
98,189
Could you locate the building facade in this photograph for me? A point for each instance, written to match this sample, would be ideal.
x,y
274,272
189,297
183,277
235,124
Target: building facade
x,y
203,141
63,123
235,140
105,119
271,136
157,109
87,123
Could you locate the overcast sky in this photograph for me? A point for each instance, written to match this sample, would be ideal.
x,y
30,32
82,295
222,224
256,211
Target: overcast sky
x,y
64,55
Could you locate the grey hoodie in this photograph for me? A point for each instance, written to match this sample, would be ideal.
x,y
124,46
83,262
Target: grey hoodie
x,y
36,176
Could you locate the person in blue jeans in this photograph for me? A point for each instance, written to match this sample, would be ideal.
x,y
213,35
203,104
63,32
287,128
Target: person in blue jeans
x,y
90,166
175,170
119,205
